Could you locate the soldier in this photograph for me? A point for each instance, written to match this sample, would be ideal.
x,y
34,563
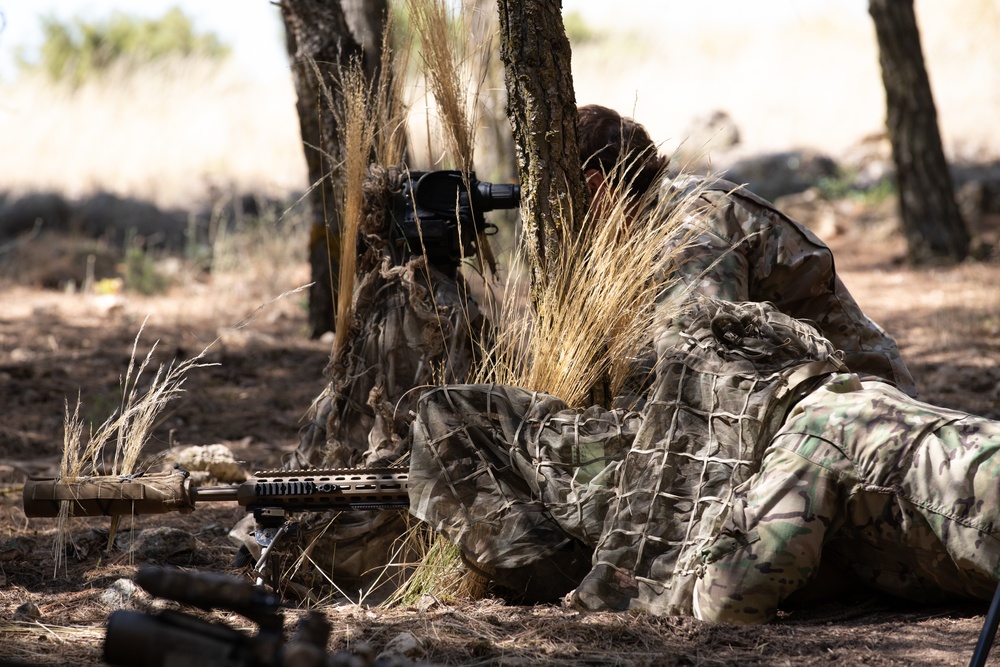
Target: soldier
x,y
745,249
762,445
756,459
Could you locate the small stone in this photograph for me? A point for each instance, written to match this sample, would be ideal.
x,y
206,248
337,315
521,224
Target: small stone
x,y
427,602
123,594
16,548
217,460
28,611
405,643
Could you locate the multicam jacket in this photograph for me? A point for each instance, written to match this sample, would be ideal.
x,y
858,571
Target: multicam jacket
x,y
900,495
747,250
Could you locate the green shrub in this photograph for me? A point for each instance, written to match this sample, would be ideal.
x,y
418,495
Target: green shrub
x,y
843,186
77,50
140,273
577,29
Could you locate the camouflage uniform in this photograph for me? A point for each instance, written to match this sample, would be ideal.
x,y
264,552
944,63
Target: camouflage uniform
x,y
519,480
901,495
671,504
413,325
747,250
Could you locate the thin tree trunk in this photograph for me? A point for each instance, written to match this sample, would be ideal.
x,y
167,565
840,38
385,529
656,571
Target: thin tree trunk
x,y
541,106
932,223
317,32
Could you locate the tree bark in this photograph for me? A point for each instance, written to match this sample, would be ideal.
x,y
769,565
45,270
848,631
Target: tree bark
x,y
934,229
541,106
318,31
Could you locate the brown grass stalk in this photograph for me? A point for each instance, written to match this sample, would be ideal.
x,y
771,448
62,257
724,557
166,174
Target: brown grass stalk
x,y
358,129
130,426
595,314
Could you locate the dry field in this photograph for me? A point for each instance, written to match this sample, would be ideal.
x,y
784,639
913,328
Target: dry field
x,y
184,138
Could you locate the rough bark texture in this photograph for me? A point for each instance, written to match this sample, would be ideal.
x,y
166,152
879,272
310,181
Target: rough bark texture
x,y
541,107
366,19
931,220
318,31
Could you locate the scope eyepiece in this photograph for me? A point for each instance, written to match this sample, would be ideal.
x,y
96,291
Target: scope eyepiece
x,y
494,196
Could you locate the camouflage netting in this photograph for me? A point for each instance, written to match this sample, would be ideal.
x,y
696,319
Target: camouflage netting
x,y
412,326
524,484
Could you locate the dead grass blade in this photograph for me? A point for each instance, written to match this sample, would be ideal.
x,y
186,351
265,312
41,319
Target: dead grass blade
x,y
130,426
594,315
358,129
439,572
455,69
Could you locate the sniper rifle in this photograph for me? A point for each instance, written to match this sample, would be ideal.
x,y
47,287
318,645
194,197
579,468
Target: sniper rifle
x,y
274,497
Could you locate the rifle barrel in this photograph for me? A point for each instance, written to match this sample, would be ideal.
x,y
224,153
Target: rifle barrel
x,y
214,493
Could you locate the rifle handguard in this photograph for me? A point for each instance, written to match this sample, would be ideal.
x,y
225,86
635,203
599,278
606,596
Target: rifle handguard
x,y
152,493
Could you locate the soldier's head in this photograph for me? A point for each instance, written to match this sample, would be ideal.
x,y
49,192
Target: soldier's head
x,y
617,149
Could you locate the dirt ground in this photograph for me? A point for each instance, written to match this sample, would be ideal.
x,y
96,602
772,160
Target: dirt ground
x,y
54,346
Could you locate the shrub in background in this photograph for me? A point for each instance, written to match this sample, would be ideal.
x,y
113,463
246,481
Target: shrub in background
x,y
76,50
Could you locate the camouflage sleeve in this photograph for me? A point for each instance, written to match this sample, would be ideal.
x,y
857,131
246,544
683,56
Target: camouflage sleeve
x,y
746,250
770,545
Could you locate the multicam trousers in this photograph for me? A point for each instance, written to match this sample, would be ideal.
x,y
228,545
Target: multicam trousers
x,y
901,495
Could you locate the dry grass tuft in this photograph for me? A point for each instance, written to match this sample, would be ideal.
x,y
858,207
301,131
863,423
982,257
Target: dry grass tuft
x,y
594,315
443,69
125,431
128,428
439,572
455,69
358,130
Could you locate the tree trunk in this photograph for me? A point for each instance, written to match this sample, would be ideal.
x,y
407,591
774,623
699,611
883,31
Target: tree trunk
x,y
541,106
318,31
932,224
366,19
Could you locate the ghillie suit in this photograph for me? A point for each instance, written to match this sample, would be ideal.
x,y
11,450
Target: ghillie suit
x,y
412,325
529,487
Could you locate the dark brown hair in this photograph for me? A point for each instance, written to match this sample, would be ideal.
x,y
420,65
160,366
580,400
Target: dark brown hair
x,y
618,147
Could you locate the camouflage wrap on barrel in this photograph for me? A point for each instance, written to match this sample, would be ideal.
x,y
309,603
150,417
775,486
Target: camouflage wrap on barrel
x,y
901,495
121,495
744,249
517,477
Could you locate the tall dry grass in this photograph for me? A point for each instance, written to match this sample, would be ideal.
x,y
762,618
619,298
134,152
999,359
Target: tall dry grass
x,y
124,432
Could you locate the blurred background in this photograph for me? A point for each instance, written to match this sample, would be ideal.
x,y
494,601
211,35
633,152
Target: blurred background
x,y
786,74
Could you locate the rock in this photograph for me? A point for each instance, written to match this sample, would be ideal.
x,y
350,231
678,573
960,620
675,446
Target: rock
x,y
124,594
217,460
122,221
41,211
28,611
405,643
427,602
715,131
776,174
16,548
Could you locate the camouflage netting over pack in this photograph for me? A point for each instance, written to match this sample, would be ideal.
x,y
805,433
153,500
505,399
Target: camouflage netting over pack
x,y
412,326
523,483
